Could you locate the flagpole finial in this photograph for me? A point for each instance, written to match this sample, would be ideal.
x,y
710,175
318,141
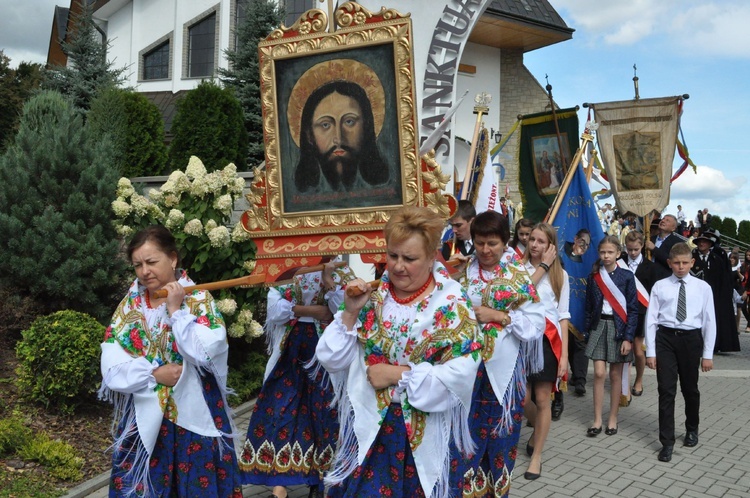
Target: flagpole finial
x,y
635,81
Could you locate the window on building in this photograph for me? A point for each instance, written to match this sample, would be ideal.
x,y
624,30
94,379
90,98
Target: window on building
x,y
201,49
295,8
156,63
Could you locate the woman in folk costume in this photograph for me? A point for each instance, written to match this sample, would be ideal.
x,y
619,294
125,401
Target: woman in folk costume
x,y
551,282
293,428
510,313
164,365
611,320
399,359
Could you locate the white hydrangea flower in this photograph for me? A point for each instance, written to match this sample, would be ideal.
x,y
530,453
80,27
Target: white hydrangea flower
x,y
195,168
175,219
155,195
236,186
229,172
180,182
236,330
245,317
219,237
256,329
120,207
139,204
249,265
171,200
194,227
156,212
199,188
210,225
167,187
214,183
227,306
239,234
124,231
124,188
224,203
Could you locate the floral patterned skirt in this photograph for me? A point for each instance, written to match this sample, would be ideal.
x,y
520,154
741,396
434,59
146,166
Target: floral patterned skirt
x,y
184,464
488,472
388,469
292,434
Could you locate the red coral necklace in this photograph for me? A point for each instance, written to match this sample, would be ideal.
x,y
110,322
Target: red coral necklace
x,y
481,275
412,297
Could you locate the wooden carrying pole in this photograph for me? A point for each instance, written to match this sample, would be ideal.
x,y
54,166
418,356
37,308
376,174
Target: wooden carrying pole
x,y
222,284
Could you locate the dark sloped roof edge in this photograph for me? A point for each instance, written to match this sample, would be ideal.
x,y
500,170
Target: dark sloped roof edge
x,y
61,19
498,9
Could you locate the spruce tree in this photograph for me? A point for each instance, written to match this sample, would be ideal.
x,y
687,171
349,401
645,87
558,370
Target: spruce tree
x,y
59,246
743,231
88,71
243,75
16,85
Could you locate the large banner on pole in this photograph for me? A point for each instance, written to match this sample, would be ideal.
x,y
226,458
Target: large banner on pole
x,y
543,159
637,141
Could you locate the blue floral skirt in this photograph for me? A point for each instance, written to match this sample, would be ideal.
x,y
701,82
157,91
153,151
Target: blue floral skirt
x,y
293,429
388,469
184,464
488,472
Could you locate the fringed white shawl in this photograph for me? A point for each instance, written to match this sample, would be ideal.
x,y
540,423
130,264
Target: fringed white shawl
x,y
438,338
508,288
146,338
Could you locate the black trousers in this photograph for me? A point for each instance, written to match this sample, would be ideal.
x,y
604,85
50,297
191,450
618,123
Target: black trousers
x,y
579,362
678,356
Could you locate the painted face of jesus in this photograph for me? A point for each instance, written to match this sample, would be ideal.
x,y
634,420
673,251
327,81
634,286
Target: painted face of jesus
x,y
337,128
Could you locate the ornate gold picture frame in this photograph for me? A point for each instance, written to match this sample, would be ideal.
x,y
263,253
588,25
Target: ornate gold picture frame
x,y
339,123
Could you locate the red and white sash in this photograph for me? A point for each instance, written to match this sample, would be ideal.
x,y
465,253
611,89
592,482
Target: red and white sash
x,y
642,292
612,294
519,252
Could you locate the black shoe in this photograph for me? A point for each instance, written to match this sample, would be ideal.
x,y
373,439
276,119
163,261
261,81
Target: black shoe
x,y
594,431
691,439
530,476
665,455
610,431
557,408
580,390
529,448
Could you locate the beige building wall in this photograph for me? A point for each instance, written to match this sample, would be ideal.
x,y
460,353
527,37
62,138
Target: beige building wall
x,y
520,93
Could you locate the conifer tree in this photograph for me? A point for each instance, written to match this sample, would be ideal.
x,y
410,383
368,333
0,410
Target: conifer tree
x,y
208,124
136,129
16,85
88,71
243,75
59,246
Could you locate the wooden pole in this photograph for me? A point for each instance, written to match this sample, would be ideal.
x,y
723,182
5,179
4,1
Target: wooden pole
x,y
550,218
482,100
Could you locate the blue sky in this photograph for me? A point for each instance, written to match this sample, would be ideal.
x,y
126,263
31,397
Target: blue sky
x,y
698,47
701,48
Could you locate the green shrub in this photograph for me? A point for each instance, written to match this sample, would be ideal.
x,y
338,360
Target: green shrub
x,y
14,434
246,378
58,244
58,457
209,124
59,360
135,126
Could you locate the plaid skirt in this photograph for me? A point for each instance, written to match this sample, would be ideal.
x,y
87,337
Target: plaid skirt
x,y
603,346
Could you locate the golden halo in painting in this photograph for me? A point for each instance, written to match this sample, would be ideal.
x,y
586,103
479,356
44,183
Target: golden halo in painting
x,y
335,70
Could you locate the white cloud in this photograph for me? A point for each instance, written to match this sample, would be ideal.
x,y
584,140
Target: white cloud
x,y
692,27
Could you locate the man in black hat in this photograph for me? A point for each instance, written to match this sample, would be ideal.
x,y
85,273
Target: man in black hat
x,y
712,266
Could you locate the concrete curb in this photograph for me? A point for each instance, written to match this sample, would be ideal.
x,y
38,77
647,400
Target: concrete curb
x,y
102,480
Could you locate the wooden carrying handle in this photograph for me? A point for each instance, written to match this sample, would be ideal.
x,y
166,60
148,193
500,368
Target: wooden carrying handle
x,y
356,291
223,284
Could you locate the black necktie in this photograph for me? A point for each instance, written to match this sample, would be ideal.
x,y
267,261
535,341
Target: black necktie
x,y
681,303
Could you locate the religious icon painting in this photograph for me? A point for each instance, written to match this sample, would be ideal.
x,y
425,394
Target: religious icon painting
x,y
339,122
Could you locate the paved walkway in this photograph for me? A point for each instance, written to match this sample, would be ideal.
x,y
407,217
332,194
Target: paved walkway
x,y
625,464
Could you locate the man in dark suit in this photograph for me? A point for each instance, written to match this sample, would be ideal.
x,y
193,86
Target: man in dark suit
x,y
662,241
712,266
461,246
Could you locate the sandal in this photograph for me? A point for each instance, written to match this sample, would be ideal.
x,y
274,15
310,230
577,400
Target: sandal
x,y
594,431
